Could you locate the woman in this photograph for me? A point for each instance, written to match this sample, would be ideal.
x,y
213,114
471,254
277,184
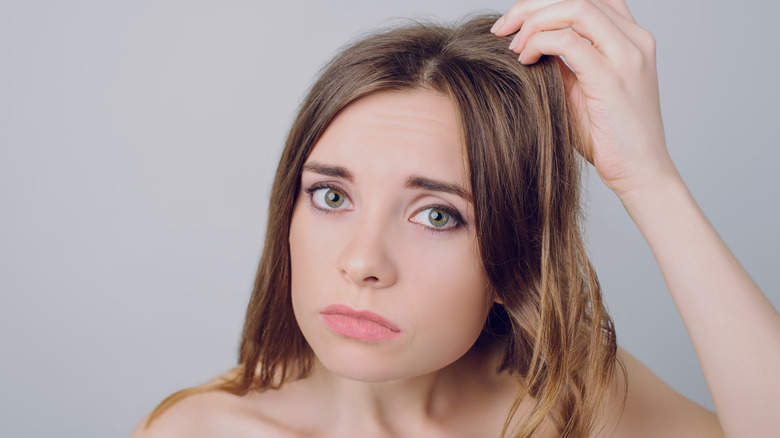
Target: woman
x,y
424,274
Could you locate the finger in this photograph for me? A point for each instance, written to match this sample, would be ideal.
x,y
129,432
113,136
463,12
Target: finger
x,y
513,19
621,8
574,100
627,25
515,15
585,61
569,78
585,18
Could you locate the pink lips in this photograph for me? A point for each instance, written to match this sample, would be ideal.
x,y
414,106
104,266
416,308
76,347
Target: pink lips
x,y
358,324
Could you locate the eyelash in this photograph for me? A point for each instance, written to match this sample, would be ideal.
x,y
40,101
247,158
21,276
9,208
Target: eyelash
x,y
454,214
313,188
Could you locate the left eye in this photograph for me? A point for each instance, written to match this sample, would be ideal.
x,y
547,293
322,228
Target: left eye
x,y
330,199
435,218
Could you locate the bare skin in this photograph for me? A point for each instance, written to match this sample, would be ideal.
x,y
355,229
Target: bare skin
x,y
652,409
376,250
613,88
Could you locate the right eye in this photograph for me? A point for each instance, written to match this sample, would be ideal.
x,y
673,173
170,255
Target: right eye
x,y
329,198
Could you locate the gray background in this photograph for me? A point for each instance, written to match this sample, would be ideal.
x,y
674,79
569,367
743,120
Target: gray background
x,y
138,141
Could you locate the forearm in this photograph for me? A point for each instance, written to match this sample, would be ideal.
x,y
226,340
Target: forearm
x,y
733,326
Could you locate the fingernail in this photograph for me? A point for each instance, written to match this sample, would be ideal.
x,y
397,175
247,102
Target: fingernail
x,y
520,58
513,44
497,25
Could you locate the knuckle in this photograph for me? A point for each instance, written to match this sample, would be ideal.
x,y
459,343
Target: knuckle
x,y
570,38
633,59
530,25
647,40
515,13
580,7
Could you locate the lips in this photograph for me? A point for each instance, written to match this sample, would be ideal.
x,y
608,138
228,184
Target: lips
x,y
358,324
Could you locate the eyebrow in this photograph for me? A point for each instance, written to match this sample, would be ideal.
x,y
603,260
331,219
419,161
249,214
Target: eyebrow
x,y
414,182
418,182
323,169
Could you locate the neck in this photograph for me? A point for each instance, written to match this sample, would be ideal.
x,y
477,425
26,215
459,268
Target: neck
x,y
414,406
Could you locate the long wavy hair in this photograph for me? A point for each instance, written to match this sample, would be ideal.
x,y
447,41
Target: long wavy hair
x,y
521,142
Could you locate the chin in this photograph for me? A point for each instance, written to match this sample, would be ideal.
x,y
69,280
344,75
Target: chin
x,y
365,363
369,363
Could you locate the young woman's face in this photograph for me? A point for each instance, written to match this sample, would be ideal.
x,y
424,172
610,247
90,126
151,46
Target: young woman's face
x,y
384,224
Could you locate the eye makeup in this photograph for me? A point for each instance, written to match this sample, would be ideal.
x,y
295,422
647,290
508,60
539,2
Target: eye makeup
x,y
312,192
337,198
453,214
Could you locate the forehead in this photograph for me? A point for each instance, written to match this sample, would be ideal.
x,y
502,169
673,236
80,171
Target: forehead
x,y
394,132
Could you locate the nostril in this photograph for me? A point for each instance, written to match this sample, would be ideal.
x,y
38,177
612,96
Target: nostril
x,y
371,278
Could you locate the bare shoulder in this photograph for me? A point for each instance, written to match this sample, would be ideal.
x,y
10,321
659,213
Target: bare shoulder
x,y
653,408
208,414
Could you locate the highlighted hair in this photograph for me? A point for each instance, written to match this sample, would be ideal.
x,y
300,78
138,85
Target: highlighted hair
x,y
521,142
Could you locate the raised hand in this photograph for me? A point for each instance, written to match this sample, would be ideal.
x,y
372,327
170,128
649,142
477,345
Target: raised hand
x,y
612,84
613,89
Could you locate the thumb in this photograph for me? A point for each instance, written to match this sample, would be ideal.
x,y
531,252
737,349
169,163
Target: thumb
x,y
577,110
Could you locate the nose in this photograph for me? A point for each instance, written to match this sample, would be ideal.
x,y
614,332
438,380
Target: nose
x,y
366,259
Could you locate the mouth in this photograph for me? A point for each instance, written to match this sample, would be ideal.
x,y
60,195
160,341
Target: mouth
x,y
362,325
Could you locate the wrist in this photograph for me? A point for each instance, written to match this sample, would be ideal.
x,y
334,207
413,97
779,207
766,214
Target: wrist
x,y
655,192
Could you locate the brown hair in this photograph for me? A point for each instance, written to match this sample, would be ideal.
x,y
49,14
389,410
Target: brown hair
x,y
521,143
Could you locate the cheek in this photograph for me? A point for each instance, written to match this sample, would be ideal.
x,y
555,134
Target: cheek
x,y
441,297
452,300
310,247
313,274
306,260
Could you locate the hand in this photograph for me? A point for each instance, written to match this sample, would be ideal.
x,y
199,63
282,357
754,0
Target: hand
x,y
613,88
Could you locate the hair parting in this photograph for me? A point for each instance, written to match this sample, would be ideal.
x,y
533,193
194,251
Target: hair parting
x,y
521,144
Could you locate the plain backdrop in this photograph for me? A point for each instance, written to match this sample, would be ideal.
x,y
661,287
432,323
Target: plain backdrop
x,y
138,141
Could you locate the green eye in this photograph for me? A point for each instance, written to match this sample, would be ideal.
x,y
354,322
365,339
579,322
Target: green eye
x,y
438,218
329,198
334,198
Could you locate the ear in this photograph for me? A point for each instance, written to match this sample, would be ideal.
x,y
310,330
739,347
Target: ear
x,y
497,300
